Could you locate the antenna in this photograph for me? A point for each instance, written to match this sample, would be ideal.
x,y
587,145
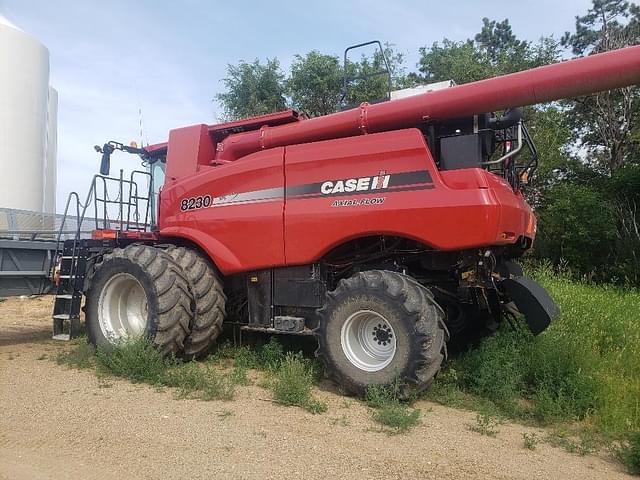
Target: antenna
x,y
141,124
140,120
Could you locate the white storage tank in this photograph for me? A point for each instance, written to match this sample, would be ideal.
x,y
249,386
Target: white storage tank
x,y
51,151
24,107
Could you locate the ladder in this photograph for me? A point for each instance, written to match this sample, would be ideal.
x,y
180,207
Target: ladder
x,y
68,299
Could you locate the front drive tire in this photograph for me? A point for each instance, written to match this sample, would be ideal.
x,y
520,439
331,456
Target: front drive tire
x,y
379,327
209,297
139,291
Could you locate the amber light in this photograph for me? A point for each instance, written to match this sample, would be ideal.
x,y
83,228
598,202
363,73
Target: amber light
x,y
138,235
104,234
531,226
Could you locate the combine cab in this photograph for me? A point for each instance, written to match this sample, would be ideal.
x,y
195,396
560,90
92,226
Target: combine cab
x,y
384,231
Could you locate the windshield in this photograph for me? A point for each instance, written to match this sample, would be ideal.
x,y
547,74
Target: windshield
x,y
157,169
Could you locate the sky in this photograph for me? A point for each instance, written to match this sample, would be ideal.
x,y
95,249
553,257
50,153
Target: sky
x,y
111,57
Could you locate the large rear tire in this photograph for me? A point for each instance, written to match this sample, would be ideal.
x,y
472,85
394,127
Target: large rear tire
x,y
381,327
139,291
209,297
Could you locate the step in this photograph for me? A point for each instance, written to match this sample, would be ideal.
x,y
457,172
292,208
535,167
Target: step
x,y
284,323
67,259
64,337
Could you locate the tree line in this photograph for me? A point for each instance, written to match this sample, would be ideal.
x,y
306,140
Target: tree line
x,y
587,189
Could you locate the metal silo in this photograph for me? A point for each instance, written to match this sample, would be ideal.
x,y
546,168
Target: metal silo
x,y
24,95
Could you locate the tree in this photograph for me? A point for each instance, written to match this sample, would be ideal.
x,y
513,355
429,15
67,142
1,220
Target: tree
x,y
497,38
575,225
461,62
548,128
376,87
624,189
253,89
606,123
608,24
495,50
315,83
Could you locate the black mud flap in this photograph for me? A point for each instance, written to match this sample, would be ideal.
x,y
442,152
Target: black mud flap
x,y
532,301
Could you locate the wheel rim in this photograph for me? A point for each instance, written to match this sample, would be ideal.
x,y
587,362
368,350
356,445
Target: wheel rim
x,y
122,308
368,340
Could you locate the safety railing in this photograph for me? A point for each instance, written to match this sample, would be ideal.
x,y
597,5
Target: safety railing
x,y
131,206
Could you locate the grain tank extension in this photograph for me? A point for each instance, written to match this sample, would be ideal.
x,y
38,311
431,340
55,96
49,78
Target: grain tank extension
x,y
386,231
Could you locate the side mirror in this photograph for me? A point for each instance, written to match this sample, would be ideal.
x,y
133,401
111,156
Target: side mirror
x,y
106,158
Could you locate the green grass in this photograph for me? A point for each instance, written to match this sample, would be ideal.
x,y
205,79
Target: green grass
x,y
394,415
139,362
574,439
81,355
266,357
292,383
485,425
585,368
629,453
291,376
343,421
200,381
397,417
530,440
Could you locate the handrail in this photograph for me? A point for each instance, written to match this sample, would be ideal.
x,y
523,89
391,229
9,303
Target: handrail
x,y
510,153
347,79
100,181
133,183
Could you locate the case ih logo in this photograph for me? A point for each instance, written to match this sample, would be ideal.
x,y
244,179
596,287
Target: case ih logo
x,y
361,184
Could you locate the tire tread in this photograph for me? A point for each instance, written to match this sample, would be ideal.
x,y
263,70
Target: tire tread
x,y
418,304
174,295
209,297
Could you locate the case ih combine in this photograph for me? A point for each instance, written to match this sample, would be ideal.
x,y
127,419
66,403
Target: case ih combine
x,y
385,231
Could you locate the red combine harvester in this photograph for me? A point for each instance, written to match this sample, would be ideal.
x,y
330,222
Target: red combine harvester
x,y
385,231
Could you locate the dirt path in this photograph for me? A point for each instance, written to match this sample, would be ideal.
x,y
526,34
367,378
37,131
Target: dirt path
x,y
60,423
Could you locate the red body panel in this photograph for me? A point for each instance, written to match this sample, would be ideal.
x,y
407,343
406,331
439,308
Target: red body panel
x,y
188,142
238,234
441,217
268,209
